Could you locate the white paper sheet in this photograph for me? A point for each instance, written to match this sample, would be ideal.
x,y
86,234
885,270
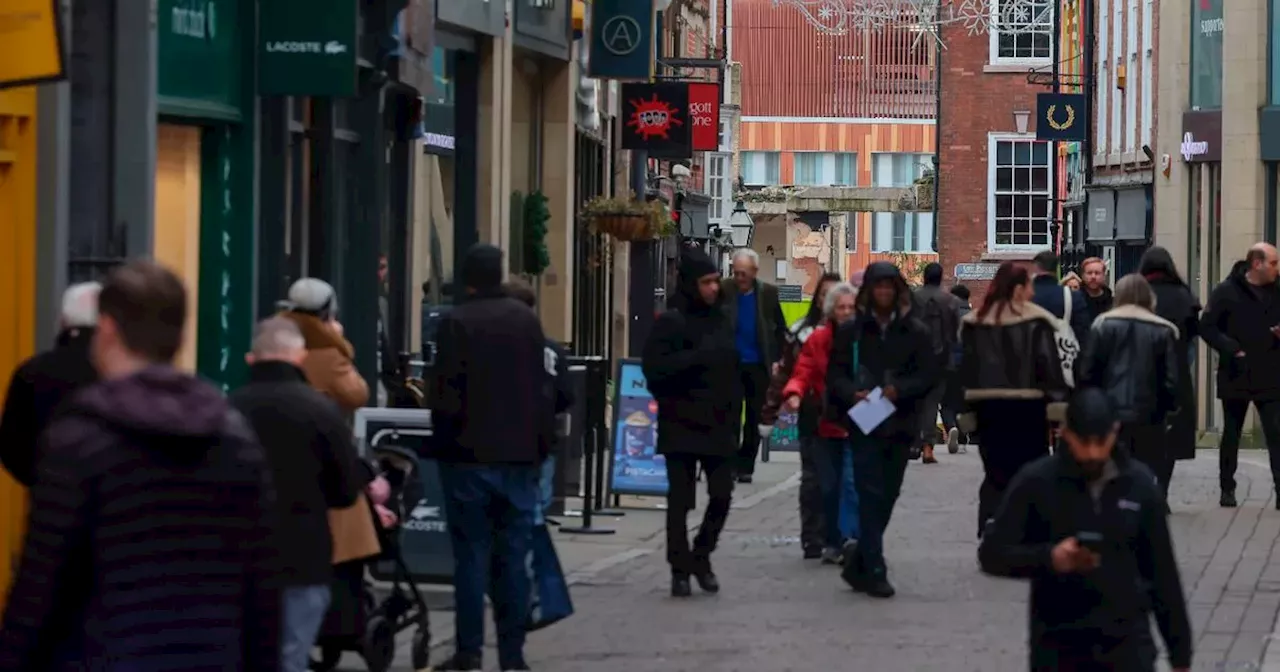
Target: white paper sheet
x,y
872,411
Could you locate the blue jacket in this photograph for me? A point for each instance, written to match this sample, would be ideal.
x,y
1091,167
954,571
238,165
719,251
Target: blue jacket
x,y
1048,295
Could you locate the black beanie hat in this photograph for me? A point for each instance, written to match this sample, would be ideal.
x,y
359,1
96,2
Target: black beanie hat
x,y
1091,414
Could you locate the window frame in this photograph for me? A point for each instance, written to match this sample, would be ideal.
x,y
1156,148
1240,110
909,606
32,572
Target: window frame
x,y
747,155
993,44
913,223
993,143
722,179
919,159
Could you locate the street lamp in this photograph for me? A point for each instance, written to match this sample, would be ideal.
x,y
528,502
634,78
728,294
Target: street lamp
x,y
740,225
1021,118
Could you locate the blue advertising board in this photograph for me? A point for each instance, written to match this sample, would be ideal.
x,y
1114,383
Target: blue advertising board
x,y
622,45
637,467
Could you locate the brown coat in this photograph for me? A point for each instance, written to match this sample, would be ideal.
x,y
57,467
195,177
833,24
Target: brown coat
x,y
328,366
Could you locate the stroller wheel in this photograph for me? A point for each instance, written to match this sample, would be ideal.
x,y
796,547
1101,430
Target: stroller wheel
x,y
329,657
421,649
378,646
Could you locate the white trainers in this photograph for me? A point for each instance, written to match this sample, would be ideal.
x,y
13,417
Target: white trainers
x,y
953,440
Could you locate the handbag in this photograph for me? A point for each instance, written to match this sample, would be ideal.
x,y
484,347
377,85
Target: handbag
x,y
1065,338
550,602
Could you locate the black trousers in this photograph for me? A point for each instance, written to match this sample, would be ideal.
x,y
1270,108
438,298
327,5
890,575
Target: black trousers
x,y
1013,433
755,382
682,474
1093,653
879,466
1146,444
1233,414
811,520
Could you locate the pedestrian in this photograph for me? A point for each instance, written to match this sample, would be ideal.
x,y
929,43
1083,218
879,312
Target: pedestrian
x,y
691,365
492,416
43,382
760,331
1087,527
556,362
1071,280
329,366
1098,297
953,395
832,441
883,347
1242,323
807,419
940,311
1011,373
1176,303
150,538
1056,299
314,466
1131,355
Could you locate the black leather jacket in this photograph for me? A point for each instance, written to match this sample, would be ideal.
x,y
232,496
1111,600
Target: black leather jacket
x,y
1131,355
1011,356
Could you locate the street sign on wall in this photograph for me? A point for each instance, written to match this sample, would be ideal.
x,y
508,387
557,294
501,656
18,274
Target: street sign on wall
x,y
976,272
307,48
622,40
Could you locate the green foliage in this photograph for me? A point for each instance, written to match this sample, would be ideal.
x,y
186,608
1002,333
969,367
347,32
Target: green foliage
x,y
537,215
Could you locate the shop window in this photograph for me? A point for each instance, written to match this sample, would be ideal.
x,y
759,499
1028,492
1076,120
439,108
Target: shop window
x,y
1019,202
902,232
761,168
1021,32
177,216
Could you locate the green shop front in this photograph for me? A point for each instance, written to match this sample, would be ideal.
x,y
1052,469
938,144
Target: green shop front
x,y
205,172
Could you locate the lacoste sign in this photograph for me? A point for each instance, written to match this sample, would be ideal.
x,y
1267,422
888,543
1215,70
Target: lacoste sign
x,y
1201,136
307,48
330,48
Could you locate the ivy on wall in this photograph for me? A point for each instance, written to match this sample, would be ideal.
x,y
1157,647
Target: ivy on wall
x,y
537,215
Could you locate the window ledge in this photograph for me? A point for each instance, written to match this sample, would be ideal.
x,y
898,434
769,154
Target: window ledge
x,y
1013,67
1012,254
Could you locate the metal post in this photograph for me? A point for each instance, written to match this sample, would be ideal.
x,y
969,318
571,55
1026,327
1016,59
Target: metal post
x,y
640,291
591,443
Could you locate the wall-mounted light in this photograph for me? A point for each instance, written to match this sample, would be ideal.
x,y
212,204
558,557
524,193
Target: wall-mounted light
x,y
1021,119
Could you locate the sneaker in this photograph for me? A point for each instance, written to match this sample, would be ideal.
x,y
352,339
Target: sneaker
x,y
831,556
851,573
460,663
953,440
879,586
707,581
745,479
1228,499
812,552
680,586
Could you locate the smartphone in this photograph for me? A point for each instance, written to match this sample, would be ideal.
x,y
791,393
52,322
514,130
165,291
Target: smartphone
x,y
1090,540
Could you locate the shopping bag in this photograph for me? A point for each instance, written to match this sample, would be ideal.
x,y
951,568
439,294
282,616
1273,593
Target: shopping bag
x,y
550,602
849,522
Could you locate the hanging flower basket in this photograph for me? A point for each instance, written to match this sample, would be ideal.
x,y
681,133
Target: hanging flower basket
x,y
623,226
627,219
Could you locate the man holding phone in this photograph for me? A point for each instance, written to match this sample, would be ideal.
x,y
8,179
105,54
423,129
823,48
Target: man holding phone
x,y
1087,526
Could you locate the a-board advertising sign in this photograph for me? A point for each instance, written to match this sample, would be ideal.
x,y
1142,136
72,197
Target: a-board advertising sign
x,y
637,467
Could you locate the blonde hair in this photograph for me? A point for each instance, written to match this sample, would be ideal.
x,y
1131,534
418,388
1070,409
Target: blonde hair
x,y
1134,290
1066,279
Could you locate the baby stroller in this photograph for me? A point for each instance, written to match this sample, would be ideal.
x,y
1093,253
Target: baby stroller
x,y
357,620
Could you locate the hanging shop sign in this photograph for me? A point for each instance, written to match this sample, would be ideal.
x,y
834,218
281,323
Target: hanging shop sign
x,y
437,130
30,42
1201,136
622,40
486,17
637,467
656,119
1061,116
544,27
199,36
307,47
704,115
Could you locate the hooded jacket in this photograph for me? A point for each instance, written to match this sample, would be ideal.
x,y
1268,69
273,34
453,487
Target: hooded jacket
x,y
1011,355
36,390
491,396
866,355
1238,318
151,544
690,365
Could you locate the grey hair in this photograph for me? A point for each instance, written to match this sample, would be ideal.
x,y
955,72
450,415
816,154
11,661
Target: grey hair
x,y
1134,290
748,254
80,305
277,336
834,292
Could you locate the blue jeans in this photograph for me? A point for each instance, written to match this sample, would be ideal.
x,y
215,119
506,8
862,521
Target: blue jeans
x,y
546,485
835,475
491,510
304,608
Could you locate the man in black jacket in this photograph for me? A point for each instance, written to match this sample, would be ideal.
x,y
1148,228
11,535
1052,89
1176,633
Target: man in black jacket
x,y
43,382
315,468
1087,526
690,367
884,347
1052,296
493,419
1242,323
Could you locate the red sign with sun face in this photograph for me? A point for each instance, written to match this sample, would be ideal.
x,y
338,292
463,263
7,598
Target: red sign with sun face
x,y
656,119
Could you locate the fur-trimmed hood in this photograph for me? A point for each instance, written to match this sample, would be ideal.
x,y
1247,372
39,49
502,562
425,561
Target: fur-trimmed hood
x,y
1132,312
1011,315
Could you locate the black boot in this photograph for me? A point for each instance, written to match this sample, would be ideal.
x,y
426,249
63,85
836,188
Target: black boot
x,y
680,585
879,586
1228,498
707,581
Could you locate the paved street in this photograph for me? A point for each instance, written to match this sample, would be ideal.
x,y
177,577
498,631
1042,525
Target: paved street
x,y
778,612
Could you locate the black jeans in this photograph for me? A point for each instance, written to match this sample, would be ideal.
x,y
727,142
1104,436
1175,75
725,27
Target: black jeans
x,y
811,525
878,468
1233,412
755,382
1146,444
1089,652
1014,433
682,473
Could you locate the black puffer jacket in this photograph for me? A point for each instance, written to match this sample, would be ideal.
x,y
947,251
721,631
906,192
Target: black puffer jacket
x,y
1239,318
1012,355
866,355
1131,355
691,368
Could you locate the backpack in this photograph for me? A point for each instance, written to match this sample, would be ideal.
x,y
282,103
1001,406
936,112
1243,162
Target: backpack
x,y
1065,337
942,320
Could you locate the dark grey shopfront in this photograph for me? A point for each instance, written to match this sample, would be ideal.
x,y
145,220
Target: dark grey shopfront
x,y
1118,220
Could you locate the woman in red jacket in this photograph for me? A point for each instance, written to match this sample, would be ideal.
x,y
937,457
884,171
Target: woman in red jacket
x,y
809,377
